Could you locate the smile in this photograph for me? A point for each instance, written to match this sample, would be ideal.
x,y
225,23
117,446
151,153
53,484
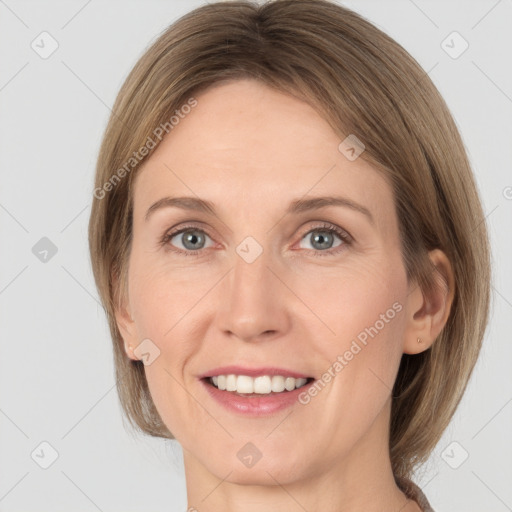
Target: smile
x,y
255,396
262,385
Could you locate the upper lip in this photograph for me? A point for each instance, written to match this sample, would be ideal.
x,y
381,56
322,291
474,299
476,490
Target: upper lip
x,y
253,372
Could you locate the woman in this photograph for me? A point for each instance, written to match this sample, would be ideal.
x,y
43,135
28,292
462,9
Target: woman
x,y
282,236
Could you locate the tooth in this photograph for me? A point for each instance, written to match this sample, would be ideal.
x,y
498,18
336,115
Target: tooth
x,y
289,383
221,382
244,384
231,383
262,385
300,382
277,383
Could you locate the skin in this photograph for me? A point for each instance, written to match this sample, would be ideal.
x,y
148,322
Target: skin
x,y
251,151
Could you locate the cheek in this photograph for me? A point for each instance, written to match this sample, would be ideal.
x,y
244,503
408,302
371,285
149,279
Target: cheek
x,y
163,306
366,310
162,295
356,299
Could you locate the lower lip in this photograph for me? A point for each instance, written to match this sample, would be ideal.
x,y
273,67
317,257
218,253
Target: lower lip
x,y
255,405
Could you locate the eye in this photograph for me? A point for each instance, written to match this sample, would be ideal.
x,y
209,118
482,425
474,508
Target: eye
x,y
191,238
323,239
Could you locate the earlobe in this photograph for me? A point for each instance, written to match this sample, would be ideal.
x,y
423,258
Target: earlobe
x,y
130,353
428,314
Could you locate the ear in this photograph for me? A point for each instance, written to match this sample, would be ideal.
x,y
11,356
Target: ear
x,y
126,324
427,315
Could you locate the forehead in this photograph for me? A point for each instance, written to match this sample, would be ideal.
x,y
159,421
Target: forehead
x,y
245,140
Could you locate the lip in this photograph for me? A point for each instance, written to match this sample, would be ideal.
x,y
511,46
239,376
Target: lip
x,y
254,405
254,372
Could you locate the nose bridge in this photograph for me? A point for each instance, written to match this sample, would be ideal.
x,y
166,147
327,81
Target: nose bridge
x,y
252,302
250,283
250,273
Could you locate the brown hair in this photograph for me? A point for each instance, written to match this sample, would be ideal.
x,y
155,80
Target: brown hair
x,y
363,83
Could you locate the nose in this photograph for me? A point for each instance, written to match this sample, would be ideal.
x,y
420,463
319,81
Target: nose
x,y
253,301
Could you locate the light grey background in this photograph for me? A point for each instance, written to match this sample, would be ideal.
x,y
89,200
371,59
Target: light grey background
x,y
56,369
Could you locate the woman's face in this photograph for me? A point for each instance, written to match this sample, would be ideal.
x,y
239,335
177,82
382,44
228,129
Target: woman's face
x,y
257,283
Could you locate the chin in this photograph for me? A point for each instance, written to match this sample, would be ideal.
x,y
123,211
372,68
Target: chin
x,y
262,474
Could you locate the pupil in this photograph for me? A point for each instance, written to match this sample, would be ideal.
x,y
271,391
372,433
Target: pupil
x,y
324,236
192,239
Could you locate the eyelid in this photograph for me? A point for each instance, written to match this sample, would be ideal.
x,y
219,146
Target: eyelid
x,y
177,230
329,226
346,239
343,234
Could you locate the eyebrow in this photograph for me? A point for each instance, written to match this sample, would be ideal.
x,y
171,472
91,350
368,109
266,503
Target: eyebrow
x,y
297,206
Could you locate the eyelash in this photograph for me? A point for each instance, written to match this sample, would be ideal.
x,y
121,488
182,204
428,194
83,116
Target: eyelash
x,y
324,228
